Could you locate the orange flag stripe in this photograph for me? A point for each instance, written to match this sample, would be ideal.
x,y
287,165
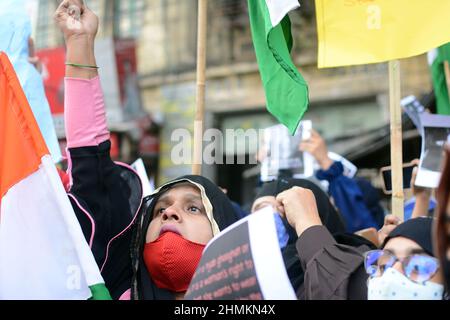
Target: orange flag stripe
x,y
21,143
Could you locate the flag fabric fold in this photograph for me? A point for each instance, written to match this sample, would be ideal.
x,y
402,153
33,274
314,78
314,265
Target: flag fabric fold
x,y
286,90
355,32
43,252
436,59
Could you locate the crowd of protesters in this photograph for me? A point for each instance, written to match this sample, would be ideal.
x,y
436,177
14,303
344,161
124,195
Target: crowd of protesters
x,y
149,248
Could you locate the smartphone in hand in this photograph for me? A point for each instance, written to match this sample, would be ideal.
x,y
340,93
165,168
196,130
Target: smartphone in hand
x,y
386,175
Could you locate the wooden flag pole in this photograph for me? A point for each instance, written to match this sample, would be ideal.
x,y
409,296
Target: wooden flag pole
x,y
200,100
396,139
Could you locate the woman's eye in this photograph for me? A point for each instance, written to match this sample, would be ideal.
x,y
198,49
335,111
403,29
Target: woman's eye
x,y
382,268
194,209
160,211
415,268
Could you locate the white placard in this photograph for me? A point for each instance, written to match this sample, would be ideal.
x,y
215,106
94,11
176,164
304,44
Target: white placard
x,y
283,152
435,133
244,261
147,186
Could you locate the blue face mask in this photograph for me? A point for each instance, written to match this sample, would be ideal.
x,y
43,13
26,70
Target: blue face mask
x,y
283,236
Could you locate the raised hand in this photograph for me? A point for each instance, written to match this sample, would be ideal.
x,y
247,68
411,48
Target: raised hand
x,y
317,147
75,19
390,223
300,208
79,26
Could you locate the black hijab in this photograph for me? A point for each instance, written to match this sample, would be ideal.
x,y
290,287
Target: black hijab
x,y
143,287
418,230
329,216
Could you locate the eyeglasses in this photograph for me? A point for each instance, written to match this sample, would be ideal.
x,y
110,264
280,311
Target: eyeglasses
x,y
417,267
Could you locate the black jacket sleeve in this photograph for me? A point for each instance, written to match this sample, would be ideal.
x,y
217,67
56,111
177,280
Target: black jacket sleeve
x,y
105,204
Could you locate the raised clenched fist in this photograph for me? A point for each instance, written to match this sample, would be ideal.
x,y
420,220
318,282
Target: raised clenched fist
x,y
74,19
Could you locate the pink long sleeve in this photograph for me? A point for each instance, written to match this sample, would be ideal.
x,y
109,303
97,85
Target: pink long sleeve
x,y
85,114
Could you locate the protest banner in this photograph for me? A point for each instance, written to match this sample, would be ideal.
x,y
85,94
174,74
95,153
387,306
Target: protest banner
x,y
243,262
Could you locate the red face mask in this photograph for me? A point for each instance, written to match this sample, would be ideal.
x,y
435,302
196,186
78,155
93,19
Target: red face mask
x,y
171,261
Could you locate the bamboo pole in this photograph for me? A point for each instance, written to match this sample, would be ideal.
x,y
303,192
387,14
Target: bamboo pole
x,y
396,139
200,100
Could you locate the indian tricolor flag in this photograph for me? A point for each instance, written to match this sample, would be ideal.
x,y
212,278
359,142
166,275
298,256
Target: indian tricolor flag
x,y
43,253
286,90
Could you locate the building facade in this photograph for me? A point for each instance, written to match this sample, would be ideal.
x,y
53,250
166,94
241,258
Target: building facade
x,y
343,101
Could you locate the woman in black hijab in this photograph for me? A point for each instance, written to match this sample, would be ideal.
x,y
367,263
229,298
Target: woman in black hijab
x,y
170,233
318,246
405,268
328,214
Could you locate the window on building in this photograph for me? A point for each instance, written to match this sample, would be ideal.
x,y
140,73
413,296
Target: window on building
x,y
229,35
128,18
339,119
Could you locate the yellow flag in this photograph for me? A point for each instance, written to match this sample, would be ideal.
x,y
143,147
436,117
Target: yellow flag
x,y
355,32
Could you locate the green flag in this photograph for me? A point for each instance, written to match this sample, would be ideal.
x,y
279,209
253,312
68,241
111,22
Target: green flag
x,y
436,60
286,90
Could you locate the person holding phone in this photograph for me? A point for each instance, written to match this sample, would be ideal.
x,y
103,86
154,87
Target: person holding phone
x,y
346,193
